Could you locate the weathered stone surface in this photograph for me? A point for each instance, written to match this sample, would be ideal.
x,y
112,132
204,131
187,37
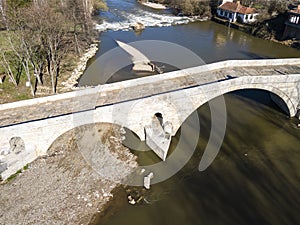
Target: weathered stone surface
x,y
3,167
157,139
142,67
168,127
16,145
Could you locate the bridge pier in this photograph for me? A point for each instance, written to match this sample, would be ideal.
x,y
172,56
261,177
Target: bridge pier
x,y
158,137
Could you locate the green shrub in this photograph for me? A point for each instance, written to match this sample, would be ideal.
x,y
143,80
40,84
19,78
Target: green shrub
x,y
100,5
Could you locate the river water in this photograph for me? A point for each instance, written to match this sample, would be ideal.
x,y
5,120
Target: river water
x,y
255,178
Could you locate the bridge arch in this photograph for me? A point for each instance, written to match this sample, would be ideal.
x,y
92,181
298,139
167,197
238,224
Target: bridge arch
x,y
289,104
101,128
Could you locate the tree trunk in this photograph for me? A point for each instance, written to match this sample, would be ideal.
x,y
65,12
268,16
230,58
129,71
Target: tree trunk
x,y
27,71
8,69
50,71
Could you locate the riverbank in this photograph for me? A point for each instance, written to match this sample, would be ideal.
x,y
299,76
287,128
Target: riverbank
x,y
72,82
62,188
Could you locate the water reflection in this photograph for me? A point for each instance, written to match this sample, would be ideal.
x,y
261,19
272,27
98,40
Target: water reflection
x,y
220,40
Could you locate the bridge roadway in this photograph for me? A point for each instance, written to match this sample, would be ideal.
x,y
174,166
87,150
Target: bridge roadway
x,y
89,98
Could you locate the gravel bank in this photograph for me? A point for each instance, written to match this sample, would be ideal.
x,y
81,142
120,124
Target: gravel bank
x,y
62,188
72,82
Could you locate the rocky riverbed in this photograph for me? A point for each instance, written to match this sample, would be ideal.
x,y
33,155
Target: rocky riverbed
x,y
62,188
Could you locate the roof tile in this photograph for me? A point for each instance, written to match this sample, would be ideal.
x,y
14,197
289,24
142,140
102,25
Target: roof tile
x,y
236,7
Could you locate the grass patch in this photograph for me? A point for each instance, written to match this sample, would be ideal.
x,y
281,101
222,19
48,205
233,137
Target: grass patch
x,y
10,93
12,177
258,6
26,167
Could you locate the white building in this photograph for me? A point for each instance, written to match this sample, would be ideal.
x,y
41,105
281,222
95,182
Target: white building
x,y
235,11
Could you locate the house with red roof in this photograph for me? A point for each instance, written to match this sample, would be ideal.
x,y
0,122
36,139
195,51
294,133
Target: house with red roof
x,y
292,25
233,11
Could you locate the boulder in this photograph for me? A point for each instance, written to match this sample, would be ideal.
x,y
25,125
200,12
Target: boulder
x,y
138,26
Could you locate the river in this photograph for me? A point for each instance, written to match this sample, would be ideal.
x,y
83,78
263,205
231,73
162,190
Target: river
x,y
255,178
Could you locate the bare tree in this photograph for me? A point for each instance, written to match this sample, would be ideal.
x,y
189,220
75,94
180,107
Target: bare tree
x,y
6,65
41,33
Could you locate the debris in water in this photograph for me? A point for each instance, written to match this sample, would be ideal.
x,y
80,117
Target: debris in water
x,y
131,200
147,180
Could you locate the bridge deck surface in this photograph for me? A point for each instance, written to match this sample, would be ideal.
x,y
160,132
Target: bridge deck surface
x,y
14,113
260,71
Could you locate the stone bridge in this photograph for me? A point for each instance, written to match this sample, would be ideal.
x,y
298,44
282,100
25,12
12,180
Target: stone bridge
x,y
35,124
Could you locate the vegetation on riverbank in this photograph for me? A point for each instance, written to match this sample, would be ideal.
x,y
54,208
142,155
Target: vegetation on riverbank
x,y
41,42
187,7
270,23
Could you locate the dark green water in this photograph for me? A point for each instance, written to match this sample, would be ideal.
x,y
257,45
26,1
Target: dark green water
x,y
255,178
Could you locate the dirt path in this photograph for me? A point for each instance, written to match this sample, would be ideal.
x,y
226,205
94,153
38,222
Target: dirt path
x,y
62,188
